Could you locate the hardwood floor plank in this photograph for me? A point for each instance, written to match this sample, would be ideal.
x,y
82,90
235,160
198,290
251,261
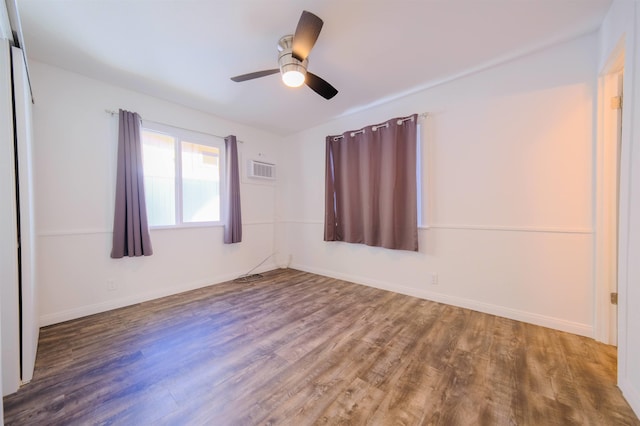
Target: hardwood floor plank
x,y
476,336
353,406
412,398
315,330
309,395
414,390
300,349
395,353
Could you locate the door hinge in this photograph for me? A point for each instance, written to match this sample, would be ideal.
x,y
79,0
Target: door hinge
x,y
614,298
616,102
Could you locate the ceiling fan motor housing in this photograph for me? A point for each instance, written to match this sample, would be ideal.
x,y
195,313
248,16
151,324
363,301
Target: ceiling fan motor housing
x,y
286,61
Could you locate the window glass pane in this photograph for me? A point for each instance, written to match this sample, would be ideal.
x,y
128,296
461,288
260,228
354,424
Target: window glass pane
x,y
419,186
159,178
200,183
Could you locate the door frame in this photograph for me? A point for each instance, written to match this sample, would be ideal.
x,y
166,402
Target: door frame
x,y
606,200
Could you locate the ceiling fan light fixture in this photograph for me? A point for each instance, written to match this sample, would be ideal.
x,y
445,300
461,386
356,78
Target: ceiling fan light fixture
x,y
293,77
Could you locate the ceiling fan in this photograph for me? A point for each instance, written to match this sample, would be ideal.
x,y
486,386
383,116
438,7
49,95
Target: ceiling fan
x,y
293,58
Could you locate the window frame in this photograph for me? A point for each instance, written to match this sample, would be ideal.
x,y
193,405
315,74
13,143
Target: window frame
x,y
422,183
191,136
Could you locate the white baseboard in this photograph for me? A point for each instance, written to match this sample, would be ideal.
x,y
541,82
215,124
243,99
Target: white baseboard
x,y
83,311
532,318
501,311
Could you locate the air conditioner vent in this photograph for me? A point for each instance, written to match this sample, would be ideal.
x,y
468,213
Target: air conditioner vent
x,y
262,170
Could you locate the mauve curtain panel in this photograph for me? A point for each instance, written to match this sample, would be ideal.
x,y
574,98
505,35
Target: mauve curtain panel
x,y
233,216
370,181
130,227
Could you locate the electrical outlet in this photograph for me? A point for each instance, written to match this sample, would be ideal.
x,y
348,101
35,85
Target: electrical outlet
x,y
434,279
111,285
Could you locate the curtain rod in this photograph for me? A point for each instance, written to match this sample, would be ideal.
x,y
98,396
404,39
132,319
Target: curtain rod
x,y
386,124
111,112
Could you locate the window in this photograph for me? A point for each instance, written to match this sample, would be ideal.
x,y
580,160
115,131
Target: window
x,y
183,176
420,182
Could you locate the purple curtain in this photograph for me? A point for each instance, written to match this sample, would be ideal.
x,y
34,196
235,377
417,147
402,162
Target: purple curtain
x,y
130,228
233,216
370,181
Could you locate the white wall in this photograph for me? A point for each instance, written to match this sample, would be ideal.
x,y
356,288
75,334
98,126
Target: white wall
x,y
508,177
74,153
621,27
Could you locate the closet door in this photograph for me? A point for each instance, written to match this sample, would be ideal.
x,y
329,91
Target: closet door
x,y
30,325
10,324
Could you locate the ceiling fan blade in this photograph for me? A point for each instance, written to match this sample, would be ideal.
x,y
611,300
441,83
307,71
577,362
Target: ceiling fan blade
x,y
252,75
320,86
307,33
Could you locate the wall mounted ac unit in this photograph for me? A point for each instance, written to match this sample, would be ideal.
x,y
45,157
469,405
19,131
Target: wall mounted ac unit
x,y
261,170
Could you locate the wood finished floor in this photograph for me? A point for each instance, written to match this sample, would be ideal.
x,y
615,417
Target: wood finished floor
x,y
301,349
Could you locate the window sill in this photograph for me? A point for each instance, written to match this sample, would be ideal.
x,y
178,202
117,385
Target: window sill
x,y
188,226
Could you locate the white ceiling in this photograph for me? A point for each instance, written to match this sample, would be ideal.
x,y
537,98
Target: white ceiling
x,y
185,51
